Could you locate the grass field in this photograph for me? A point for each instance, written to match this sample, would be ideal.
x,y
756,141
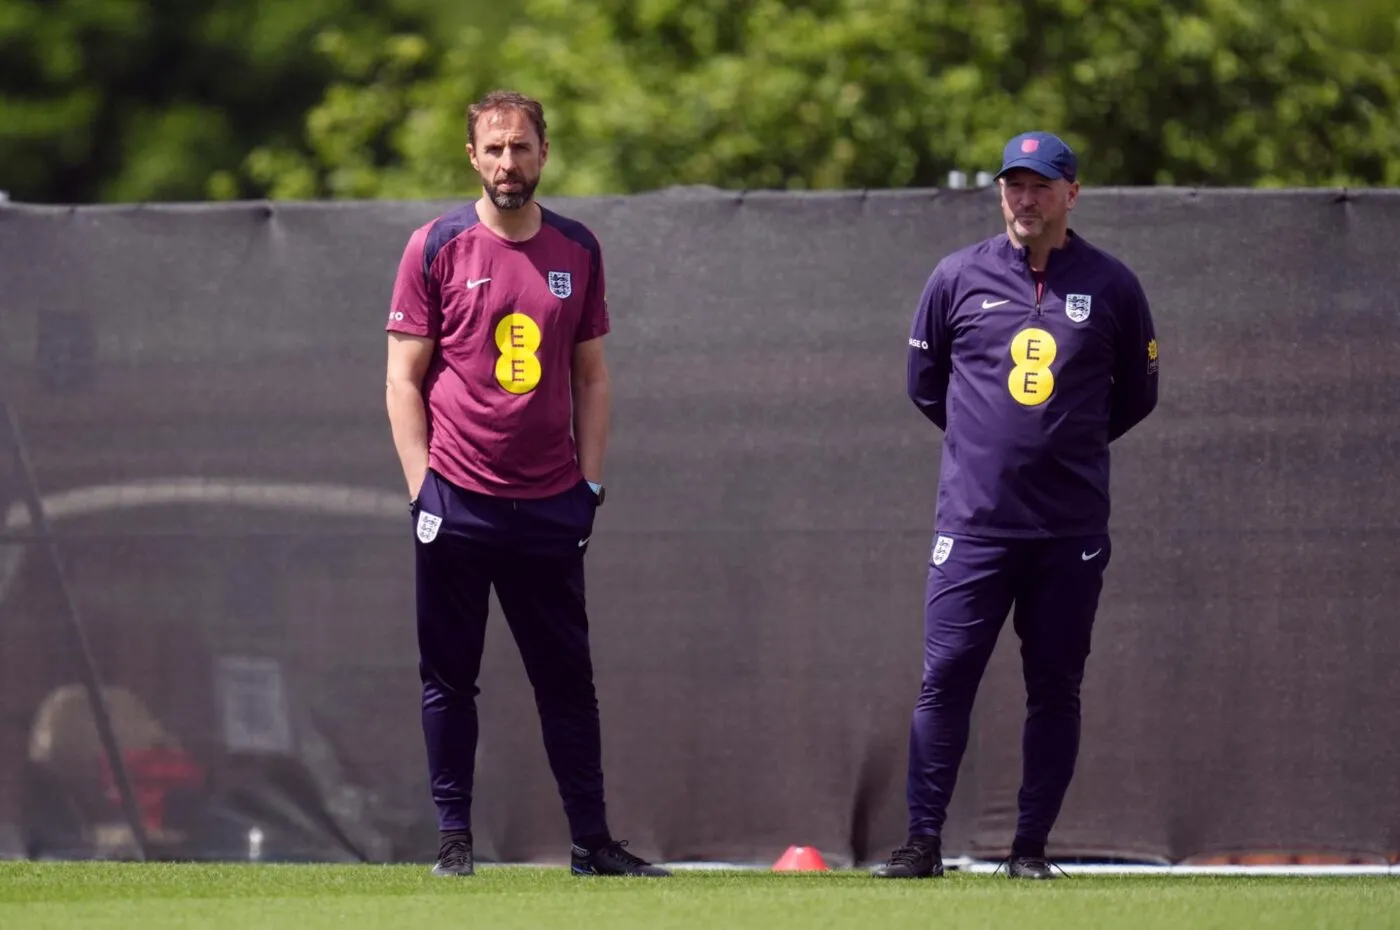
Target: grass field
x,y
109,896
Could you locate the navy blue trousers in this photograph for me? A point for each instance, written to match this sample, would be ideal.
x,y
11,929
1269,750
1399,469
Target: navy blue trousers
x,y
532,553
972,584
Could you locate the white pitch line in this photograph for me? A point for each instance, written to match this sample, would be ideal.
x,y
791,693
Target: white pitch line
x,y
979,868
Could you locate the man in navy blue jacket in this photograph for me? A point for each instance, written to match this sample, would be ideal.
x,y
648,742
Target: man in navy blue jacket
x,y
1032,351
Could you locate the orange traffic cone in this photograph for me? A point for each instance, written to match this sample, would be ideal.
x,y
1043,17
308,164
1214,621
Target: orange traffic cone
x,y
801,859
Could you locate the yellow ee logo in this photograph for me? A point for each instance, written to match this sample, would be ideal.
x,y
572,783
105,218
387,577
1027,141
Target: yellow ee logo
x,y
1031,381
518,337
1152,350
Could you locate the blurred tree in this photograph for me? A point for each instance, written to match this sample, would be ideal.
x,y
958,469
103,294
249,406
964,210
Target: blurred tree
x,y
164,99
643,94
168,99
1371,25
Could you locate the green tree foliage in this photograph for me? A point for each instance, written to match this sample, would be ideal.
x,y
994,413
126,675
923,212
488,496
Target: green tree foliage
x,y
1372,25
163,99
873,93
170,99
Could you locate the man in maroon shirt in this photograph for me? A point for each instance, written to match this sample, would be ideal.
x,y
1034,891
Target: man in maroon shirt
x,y
498,402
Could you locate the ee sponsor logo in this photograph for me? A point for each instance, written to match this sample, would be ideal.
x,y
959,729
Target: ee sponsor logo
x,y
518,368
1031,382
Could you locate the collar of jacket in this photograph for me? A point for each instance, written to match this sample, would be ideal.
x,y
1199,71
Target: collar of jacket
x,y
1016,256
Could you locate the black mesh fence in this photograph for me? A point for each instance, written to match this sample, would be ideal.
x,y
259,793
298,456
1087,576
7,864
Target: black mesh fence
x,y
204,518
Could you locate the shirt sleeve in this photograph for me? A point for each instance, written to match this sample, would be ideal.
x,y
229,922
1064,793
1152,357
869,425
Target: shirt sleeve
x,y
930,349
594,322
415,307
1135,363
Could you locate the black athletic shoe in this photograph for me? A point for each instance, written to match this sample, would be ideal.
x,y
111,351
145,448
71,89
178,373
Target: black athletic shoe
x,y
1033,867
455,858
917,860
613,859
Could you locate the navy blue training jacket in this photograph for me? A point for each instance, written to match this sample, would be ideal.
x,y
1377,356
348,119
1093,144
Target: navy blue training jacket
x,y
1030,384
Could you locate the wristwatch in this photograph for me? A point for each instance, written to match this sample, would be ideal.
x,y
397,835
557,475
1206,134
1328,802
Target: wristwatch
x,y
598,491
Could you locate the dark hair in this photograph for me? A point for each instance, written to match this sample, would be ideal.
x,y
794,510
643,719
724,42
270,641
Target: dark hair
x,y
504,100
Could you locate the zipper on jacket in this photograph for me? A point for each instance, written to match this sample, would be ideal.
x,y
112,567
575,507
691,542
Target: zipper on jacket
x,y
1040,285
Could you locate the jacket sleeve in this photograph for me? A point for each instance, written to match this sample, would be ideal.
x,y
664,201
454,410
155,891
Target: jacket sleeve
x,y
1135,362
930,349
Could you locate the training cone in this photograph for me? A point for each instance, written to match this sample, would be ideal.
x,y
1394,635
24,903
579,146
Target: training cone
x,y
801,859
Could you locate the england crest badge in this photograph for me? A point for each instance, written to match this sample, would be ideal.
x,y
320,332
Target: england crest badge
x,y
1077,307
428,526
561,284
942,548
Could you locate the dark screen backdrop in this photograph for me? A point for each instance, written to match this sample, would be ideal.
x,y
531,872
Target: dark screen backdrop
x,y
195,394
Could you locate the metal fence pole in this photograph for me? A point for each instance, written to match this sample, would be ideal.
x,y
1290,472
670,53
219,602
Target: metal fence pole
x,y
96,698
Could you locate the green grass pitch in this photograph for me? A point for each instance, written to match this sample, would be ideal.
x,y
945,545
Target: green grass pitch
x,y
133,896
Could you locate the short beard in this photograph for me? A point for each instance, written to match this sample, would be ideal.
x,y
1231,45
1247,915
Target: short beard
x,y
511,201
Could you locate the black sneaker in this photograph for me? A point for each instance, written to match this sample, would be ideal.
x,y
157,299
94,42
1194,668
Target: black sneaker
x,y
1033,867
455,858
613,859
917,860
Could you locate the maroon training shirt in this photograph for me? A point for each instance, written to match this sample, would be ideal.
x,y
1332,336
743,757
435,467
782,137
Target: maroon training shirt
x,y
506,317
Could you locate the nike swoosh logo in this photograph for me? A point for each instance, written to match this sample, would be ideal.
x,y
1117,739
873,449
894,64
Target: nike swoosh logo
x,y
989,304
1086,556
584,541
472,285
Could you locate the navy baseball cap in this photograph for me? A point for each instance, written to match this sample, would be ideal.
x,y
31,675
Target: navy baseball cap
x,y
1042,152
